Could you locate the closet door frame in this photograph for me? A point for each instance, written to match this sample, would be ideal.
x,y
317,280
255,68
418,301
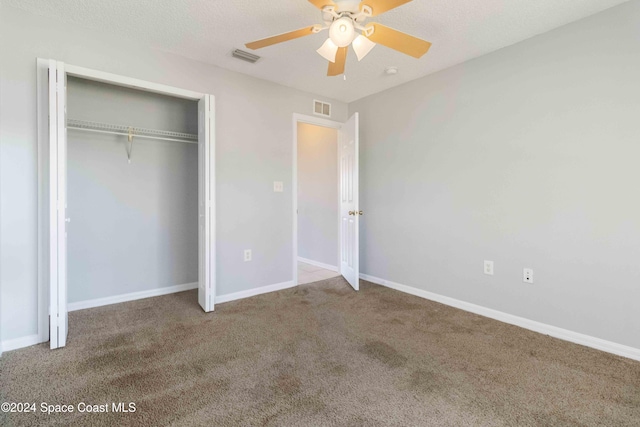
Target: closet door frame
x,y
48,237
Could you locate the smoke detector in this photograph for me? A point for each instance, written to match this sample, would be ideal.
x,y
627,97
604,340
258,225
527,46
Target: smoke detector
x,y
391,71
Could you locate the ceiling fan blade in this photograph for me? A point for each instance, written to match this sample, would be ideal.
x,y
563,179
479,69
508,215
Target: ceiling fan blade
x,y
321,3
336,68
397,40
381,6
307,31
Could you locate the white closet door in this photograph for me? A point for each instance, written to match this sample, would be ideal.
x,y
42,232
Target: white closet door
x,y
349,213
58,220
206,207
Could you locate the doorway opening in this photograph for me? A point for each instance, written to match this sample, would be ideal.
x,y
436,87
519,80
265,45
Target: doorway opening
x,y
318,203
325,200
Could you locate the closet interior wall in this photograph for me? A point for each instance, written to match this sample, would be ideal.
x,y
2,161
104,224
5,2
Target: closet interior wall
x,y
134,223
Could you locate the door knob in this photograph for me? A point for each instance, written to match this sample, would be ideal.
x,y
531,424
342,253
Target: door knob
x,y
354,213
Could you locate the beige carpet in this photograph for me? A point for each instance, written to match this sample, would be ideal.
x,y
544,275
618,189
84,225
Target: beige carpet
x,y
320,354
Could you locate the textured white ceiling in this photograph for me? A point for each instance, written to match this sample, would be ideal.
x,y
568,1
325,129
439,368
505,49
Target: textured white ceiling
x,y
207,30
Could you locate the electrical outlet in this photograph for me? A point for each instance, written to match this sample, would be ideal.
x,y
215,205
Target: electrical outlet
x,y
488,267
278,187
527,275
247,255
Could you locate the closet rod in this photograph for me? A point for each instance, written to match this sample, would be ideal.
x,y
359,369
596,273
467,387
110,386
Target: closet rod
x,y
136,132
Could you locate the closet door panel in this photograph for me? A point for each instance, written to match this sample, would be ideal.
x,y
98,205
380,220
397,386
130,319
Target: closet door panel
x,y
63,221
57,204
205,211
53,205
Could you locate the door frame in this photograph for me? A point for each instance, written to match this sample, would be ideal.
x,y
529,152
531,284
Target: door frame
x,y
42,67
317,121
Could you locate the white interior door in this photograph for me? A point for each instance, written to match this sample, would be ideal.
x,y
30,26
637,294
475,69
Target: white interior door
x,y
58,315
349,210
206,207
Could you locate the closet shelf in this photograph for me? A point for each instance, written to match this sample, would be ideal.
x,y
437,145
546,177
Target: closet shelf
x,y
131,131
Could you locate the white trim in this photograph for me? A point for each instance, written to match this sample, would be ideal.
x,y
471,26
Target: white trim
x,y
42,102
213,251
532,325
53,205
319,264
301,118
21,342
115,79
61,145
318,121
255,291
99,302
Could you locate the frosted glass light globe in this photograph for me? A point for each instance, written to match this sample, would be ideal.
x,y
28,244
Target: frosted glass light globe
x,y
341,31
328,50
362,46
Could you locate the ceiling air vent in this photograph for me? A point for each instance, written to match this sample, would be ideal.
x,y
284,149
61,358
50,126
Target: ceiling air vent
x,y
245,56
321,108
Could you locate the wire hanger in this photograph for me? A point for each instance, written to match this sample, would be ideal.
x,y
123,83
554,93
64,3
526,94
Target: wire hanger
x,y
129,144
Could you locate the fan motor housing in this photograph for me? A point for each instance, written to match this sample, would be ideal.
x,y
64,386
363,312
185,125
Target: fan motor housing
x,y
352,6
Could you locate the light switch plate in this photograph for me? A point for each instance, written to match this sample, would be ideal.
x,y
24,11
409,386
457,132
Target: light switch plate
x,y
247,255
278,187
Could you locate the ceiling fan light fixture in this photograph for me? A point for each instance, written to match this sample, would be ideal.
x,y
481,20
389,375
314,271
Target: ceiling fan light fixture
x,y
328,50
345,20
341,31
362,46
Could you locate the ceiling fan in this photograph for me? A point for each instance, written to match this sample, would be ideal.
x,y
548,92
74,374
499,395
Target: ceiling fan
x,y
343,18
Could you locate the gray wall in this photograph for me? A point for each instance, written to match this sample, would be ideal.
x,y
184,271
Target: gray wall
x,y
134,226
318,193
253,148
528,157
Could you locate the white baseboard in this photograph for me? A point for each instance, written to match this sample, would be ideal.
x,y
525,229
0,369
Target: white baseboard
x,y
554,331
253,292
17,343
319,264
99,302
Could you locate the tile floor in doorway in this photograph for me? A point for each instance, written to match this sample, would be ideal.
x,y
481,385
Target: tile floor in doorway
x,y
308,273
